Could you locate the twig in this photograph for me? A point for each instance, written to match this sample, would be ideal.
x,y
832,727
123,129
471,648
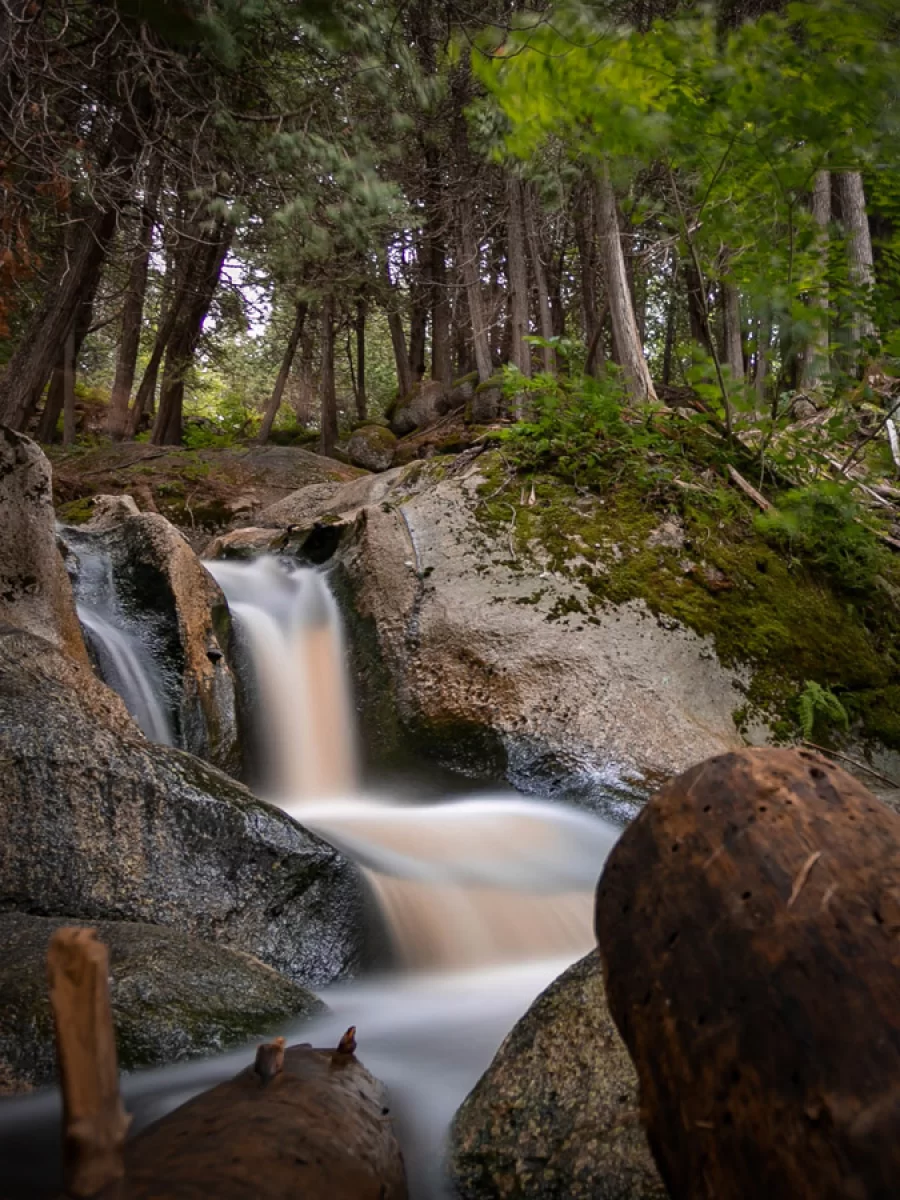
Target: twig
x,y
852,456
800,881
748,489
853,763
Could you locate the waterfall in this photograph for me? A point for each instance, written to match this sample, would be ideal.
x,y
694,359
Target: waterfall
x,y
462,884
126,667
123,661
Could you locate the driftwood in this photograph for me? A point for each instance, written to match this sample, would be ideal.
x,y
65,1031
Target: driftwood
x,y
298,1123
748,921
94,1121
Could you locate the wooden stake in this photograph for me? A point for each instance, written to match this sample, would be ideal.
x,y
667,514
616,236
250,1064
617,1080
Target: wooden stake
x,y
94,1120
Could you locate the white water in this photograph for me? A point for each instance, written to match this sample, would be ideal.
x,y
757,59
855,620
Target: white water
x,y
127,668
487,899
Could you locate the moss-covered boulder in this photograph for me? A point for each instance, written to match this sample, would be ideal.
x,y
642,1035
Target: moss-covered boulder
x,y
98,823
173,997
372,447
426,402
555,1116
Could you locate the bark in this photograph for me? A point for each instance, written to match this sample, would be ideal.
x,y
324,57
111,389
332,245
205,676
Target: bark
x,y
520,351
27,372
545,316
441,366
362,404
418,324
68,372
697,306
625,331
852,201
815,356
56,392
470,261
316,1128
133,309
287,362
671,325
731,324
587,259
167,428
398,337
747,922
327,395
94,1121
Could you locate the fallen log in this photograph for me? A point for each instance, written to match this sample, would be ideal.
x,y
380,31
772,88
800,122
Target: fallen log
x,y
299,1122
748,922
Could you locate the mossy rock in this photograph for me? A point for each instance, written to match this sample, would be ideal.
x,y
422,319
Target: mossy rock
x,y
372,447
173,997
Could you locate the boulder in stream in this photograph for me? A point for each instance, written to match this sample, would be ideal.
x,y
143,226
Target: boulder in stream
x,y
98,823
555,1116
173,997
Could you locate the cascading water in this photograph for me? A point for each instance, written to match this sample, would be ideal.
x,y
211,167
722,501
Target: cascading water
x,y
488,898
123,661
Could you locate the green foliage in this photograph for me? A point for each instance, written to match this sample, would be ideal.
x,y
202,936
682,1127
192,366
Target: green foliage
x,y
825,525
819,706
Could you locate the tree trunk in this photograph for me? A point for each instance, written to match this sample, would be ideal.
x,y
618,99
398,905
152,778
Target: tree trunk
x,y
133,309
167,428
852,200
731,324
747,921
815,357
398,337
625,331
471,268
520,351
69,390
441,365
56,392
545,316
362,404
420,297
587,260
26,374
287,362
671,322
697,306
327,396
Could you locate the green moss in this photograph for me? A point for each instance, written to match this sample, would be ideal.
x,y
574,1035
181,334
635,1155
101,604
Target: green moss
x,y
786,620
76,512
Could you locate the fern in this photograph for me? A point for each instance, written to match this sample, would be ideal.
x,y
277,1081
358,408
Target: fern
x,y
817,703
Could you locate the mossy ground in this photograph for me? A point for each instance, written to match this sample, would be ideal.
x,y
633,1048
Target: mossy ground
x,y
786,620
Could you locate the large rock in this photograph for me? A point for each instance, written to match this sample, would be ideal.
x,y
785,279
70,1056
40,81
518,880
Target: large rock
x,y
173,997
426,401
98,823
555,1116
500,666
371,447
163,588
35,593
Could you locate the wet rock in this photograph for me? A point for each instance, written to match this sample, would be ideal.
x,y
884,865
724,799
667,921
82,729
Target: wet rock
x,y
35,592
98,823
371,447
555,1116
244,543
173,997
160,581
502,668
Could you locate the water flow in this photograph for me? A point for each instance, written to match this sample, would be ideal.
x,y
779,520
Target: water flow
x,y
123,661
461,884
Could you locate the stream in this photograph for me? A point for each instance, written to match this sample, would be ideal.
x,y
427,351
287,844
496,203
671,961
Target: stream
x,y
487,898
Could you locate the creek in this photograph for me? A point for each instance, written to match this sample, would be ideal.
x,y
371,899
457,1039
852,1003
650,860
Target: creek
x,y
486,898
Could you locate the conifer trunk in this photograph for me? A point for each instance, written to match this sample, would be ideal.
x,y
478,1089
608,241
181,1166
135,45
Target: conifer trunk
x,y
852,200
625,330
287,362
520,351
327,395
815,356
545,316
471,269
